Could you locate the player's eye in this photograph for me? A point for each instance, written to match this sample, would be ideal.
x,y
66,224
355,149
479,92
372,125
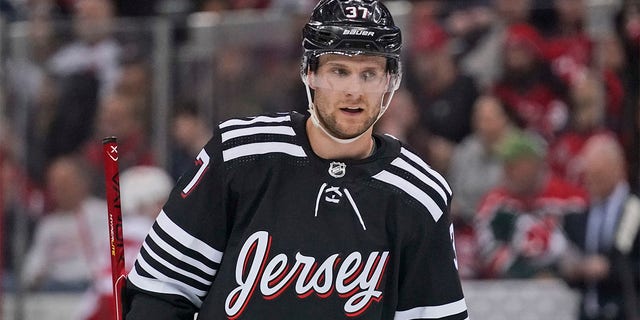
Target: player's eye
x,y
369,76
341,72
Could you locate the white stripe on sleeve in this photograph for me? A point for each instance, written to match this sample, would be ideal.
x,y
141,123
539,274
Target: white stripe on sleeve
x,y
413,191
425,166
432,312
168,265
163,284
263,148
265,119
186,239
418,174
178,255
282,130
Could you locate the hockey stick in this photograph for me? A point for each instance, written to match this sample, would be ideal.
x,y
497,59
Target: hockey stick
x,y
116,241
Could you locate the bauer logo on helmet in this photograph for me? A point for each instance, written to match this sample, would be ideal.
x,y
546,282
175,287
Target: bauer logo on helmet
x,y
358,32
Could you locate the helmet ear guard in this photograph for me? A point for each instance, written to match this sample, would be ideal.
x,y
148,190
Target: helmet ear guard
x,y
310,62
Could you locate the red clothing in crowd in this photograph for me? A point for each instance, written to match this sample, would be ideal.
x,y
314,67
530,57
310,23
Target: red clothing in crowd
x,y
538,106
521,237
569,56
563,157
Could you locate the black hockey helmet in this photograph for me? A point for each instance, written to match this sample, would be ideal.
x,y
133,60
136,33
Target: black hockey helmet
x,y
351,27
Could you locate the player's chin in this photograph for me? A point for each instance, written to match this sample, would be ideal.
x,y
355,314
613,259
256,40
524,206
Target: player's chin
x,y
348,127
350,131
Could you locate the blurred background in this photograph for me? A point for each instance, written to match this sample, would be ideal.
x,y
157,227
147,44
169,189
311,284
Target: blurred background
x,y
503,97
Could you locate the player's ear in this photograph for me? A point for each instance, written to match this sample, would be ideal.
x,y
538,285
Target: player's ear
x,y
311,79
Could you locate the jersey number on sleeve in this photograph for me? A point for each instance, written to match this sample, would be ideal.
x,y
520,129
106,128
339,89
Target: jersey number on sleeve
x,y
202,160
453,243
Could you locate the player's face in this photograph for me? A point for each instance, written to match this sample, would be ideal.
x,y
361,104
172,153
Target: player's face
x,y
348,92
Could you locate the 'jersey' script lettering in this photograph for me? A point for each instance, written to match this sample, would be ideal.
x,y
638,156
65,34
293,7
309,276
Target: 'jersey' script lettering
x,y
354,278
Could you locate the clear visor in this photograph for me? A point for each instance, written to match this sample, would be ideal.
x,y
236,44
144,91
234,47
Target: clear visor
x,y
351,73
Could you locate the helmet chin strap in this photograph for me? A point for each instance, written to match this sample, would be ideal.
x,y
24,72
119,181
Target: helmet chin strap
x,y
316,121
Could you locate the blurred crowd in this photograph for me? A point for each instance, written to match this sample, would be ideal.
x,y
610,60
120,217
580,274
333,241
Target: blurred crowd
x,y
528,107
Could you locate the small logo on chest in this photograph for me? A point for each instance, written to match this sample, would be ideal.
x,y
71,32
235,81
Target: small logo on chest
x,y
332,194
337,169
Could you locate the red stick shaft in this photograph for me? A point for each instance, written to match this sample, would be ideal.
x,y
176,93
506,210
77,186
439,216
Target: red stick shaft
x,y
116,241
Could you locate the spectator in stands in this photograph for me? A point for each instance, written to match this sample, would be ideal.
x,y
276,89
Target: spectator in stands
x,y
443,94
628,29
94,49
282,64
527,84
518,223
484,61
190,132
62,254
121,116
476,166
572,52
610,60
30,88
73,116
20,205
80,73
136,84
587,100
475,169
568,46
401,117
143,189
605,262
135,81
233,82
468,23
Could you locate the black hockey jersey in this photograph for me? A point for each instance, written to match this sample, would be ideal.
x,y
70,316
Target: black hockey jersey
x,y
262,228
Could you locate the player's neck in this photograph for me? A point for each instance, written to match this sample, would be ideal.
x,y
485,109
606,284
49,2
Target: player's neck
x,y
327,148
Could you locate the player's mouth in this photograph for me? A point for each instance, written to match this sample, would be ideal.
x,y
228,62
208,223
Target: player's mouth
x,y
352,110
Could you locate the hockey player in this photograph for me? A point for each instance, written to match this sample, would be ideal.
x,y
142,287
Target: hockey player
x,y
292,216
